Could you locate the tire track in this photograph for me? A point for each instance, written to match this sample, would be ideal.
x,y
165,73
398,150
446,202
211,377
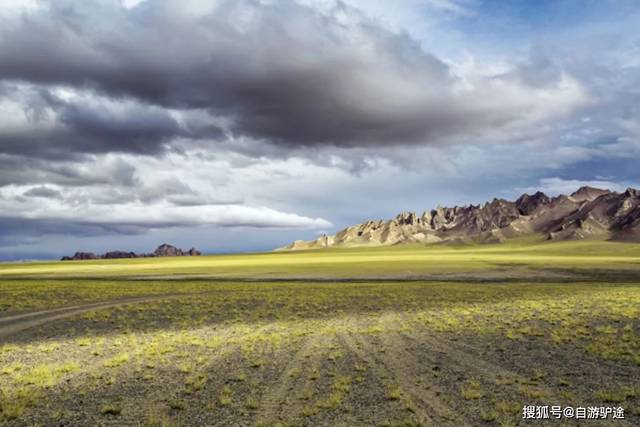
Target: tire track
x,y
279,395
430,408
468,358
11,325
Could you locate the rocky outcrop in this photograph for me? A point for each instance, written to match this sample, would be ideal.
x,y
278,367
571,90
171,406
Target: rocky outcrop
x,y
163,250
167,250
587,213
81,256
119,254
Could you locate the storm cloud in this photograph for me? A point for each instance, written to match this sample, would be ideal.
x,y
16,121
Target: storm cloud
x,y
88,171
276,71
60,125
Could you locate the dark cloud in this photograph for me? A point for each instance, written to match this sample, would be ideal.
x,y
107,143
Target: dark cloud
x,y
278,71
87,171
15,230
133,129
44,192
58,128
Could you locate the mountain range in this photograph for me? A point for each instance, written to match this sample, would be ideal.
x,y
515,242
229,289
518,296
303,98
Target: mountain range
x,y
587,213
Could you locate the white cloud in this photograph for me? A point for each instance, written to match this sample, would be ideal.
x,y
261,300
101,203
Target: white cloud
x,y
147,215
554,185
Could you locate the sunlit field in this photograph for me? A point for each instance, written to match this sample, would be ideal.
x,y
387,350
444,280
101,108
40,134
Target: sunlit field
x,y
403,261
402,336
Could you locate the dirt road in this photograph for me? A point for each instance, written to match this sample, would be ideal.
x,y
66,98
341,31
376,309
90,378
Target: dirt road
x,y
11,325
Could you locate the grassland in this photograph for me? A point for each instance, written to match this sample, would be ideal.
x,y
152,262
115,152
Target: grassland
x,y
404,336
397,262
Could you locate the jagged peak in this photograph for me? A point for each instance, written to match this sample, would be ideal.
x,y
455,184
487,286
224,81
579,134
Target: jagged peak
x,y
588,193
406,214
631,192
527,204
537,195
407,218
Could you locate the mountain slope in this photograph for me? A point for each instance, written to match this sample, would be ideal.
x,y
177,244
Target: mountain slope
x,y
587,213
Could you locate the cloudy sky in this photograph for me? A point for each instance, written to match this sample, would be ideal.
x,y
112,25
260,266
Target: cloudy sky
x,y
239,125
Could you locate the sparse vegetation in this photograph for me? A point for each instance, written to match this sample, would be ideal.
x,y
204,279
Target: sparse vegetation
x,y
472,350
471,390
225,397
111,409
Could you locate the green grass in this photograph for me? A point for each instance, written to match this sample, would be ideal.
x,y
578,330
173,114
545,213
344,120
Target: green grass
x,y
111,409
116,361
226,396
472,390
618,395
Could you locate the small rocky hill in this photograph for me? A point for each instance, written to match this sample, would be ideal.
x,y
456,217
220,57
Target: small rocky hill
x,y
163,250
587,213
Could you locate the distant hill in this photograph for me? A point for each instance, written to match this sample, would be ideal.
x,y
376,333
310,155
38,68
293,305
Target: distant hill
x,y
587,213
163,250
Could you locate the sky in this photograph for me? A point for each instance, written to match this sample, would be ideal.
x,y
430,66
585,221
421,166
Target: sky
x,y
242,125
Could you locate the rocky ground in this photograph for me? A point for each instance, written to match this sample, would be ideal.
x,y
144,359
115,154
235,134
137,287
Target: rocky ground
x,y
407,353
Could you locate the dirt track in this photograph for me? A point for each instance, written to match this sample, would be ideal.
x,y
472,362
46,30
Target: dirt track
x,y
11,325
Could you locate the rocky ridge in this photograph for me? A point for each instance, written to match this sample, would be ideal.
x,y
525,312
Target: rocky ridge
x,y
163,250
587,213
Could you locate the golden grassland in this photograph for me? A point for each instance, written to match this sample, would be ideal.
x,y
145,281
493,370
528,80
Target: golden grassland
x,y
208,349
354,262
